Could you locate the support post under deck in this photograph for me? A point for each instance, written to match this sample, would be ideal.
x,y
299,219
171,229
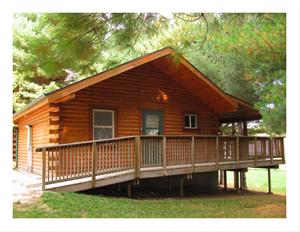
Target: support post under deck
x,y
243,180
181,186
170,184
221,179
225,180
269,181
236,181
129,190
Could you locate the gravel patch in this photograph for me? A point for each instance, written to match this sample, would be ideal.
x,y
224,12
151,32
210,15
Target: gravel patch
x,y
26,187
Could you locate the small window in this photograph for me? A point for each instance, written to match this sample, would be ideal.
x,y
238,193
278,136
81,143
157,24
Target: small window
x,y
103,124
190,121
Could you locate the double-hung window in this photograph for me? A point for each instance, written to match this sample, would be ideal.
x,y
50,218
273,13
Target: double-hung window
x,y
190,121
103,124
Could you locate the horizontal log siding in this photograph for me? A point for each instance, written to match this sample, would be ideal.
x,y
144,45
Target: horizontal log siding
x,y
128,94
39,120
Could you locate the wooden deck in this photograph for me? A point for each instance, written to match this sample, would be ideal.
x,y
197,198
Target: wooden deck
x,y
91,164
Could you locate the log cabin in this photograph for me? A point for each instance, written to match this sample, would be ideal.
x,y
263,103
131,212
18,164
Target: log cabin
x,y
153,118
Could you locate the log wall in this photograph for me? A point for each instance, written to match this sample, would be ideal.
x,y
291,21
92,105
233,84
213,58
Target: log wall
x,y
41,121
128,94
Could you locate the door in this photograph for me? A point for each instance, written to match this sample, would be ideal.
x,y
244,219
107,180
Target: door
x,y
29,148
152,146
152,122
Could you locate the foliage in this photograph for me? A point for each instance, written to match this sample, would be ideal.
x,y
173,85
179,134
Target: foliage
x,y
247,58
244,54
45,45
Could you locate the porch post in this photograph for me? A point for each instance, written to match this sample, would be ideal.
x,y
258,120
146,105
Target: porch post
x,y
245,128
164,155
233,128
137,156
243,174
44,169
94,152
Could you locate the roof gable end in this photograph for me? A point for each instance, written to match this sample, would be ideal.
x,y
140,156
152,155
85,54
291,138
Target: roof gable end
x,y
168,61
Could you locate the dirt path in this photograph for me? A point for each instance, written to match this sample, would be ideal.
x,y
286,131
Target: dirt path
x,y
26,187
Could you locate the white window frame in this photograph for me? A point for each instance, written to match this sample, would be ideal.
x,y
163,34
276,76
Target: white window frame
x,y
190,121
113,122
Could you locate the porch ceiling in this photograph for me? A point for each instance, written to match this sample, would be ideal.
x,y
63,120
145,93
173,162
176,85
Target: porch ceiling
x,y
242,114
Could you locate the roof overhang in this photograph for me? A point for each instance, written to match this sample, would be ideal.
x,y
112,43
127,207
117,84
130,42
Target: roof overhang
x,y
40,102
169,62
245,112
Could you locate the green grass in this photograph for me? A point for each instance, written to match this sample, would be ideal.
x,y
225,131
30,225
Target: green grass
x,y
74,205
220,205
257,180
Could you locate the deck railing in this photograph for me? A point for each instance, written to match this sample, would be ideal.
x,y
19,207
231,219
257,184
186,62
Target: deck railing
x,y
65,162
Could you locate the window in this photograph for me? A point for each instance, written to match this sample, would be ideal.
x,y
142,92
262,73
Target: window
x,y
190,121
152,124
103,124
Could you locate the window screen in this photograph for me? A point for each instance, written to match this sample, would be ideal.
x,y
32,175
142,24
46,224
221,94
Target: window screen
x,y
103,124
103,118
152,121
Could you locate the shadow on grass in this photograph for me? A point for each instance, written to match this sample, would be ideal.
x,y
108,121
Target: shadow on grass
x,y
143,192
154,202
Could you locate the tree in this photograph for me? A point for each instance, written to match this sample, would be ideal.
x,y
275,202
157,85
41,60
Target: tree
x,y
242,53
46,45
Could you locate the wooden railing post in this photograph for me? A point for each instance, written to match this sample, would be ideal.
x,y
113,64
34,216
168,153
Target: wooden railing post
x,y
217,152
271,149
237,151
137,156
255,150
264,148
282,147
164,155
205,151
193,154
94,152
44,169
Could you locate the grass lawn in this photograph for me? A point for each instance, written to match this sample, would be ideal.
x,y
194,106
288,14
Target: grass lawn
x,y
219,205
257,180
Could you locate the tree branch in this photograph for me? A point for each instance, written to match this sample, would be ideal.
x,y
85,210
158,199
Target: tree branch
x,y
188,20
